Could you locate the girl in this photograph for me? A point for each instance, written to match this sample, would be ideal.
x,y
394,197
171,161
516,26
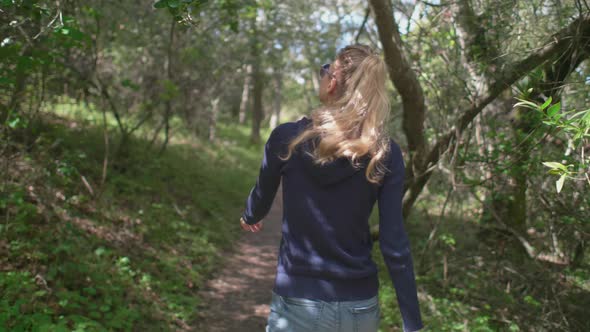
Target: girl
x,y
334,167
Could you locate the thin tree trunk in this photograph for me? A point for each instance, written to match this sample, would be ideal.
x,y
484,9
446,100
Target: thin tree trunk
x,y
245,94
168,105
105,162
258,84
19,88
307,95
278,94
106,95
213,118
155,135
257,111
166,127
21,72
514,199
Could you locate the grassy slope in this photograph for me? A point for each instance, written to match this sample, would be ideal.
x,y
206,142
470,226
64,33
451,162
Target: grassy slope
x,y
131,260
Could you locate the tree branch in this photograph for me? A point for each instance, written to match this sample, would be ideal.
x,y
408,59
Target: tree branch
x,y
554,47
356,39
414,107
405,81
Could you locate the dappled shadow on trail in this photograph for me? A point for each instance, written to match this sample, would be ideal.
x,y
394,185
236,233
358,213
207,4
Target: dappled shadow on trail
x,y
237,298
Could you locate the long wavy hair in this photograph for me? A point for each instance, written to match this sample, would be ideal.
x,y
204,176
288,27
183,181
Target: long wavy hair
x,y
354,125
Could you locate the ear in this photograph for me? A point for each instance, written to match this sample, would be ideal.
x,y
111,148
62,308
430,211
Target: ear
x,y
332,85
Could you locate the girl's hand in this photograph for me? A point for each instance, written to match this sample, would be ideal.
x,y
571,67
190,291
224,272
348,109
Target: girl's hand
x,y
251,228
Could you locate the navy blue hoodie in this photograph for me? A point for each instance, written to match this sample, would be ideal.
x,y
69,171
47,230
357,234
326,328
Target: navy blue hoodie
x,y
325,250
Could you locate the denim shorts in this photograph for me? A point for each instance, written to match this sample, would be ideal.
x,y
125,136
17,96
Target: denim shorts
x,y
289,314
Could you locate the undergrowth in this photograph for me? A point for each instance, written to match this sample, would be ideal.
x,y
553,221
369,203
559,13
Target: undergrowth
x,y
126,255
470,280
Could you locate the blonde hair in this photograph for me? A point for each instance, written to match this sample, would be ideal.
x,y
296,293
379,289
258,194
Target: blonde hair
x,y
353,126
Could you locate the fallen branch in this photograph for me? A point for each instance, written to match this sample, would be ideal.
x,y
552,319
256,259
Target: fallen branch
x,y
87,185
532,252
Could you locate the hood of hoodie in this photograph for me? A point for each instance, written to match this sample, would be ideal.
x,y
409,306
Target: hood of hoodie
x,y
330,173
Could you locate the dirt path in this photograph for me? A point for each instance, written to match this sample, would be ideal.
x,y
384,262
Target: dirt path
x,y
238,297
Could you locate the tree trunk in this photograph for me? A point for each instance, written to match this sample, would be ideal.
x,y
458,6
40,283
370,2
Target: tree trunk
x,y
275,118
406,82
257,111
19,87
21,74
507,197
168,104
213,118
245,94
258,84
307,94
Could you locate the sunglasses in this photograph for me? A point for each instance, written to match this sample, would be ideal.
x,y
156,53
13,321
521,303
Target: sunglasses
x,y
325,69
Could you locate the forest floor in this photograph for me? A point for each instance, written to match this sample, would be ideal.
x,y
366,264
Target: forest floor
x,y
131,254
237,298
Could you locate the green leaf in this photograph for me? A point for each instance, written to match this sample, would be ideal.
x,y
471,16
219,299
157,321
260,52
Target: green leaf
x,y
554,109
526,104
14,123
586,117
555,165
547,103
173,3
530,300
559,183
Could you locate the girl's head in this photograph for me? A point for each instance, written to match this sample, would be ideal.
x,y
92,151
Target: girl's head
x,y
352,121
337,79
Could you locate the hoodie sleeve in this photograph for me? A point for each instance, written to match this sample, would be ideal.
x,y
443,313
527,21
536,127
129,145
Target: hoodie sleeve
x,y
394,242
262,195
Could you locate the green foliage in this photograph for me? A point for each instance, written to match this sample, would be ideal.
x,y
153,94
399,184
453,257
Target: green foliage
x,y
484,290
229,12
14,306
176,6
34,44
132,260
574,127
169,90
16,121
448,239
